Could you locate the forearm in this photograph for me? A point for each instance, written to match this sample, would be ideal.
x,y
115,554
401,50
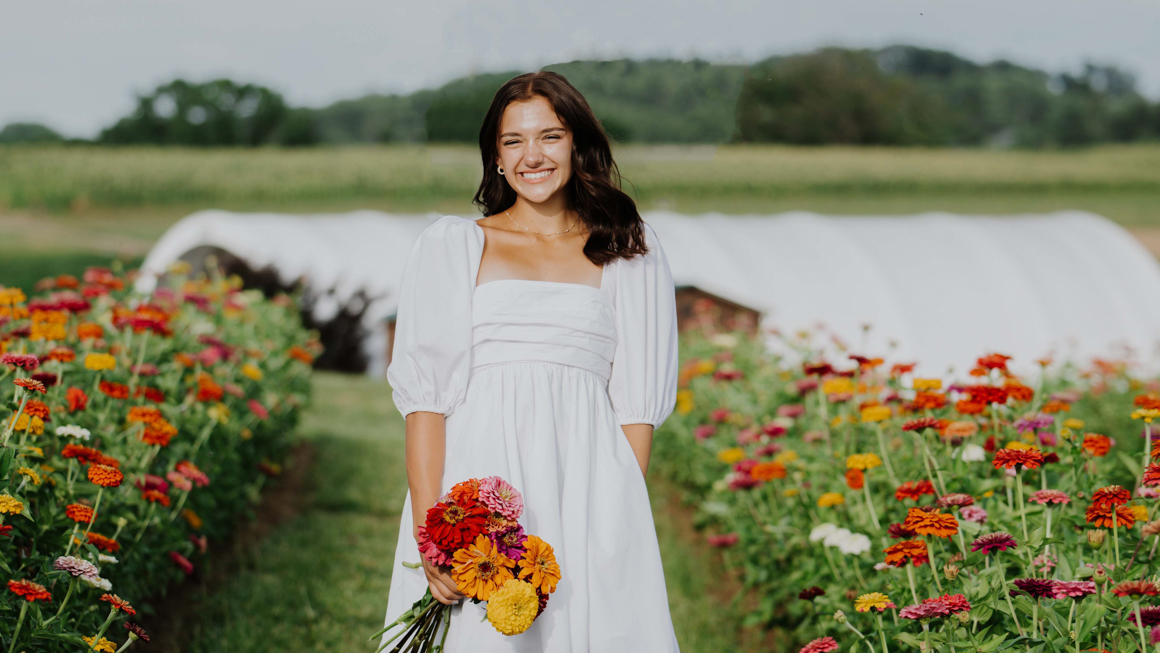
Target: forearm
x,y
640,439
425,450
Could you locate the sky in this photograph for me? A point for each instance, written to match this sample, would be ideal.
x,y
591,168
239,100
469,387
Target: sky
x,y
76,65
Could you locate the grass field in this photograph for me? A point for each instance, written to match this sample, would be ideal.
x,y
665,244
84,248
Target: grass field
x,y
319,582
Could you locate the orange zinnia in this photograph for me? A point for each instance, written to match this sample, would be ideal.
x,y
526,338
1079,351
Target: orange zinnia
x,y
301,354
104,543
967,407
1112,495
1100,515
915,550
855,480
465,491
37,409
114,390
29,590
1096,444
105,475
539,562
1017,458
1055,406
79,513
767,471
931,523
480,569
928,400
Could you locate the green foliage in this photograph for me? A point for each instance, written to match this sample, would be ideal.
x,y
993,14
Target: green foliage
x,y
28,132
219,112
181,406
904,95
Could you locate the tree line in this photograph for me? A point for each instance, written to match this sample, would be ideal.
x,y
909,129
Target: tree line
x,y
900,95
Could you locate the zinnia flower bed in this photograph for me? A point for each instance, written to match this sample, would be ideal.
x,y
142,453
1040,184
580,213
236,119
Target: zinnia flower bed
x,y
133,431
870,509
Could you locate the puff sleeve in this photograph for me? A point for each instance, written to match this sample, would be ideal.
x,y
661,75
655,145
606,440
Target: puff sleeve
x,y
431,357
643,385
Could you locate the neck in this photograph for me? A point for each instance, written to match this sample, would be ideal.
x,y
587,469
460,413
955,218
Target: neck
x,y
546,217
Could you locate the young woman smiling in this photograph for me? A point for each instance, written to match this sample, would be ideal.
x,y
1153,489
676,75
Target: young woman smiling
x,y
539,344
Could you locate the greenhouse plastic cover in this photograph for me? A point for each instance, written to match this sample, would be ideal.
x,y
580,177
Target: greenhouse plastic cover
x,y
936,288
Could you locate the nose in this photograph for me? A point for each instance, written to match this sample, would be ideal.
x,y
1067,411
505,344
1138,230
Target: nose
x,y
533,155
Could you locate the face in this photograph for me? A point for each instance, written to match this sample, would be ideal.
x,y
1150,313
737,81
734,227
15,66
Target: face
x,y
535,150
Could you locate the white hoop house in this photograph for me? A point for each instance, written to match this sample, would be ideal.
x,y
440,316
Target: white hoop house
x,y
946,288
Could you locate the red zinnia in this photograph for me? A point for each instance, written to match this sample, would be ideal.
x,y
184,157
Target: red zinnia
x,y
987,394
77,399
1135,588
920,424
913,490
1096,444
114,390
455,524
37,409
84,455
1017,459
1112,495
104,543
29,590
1152,475
118,603
914,550
31,385
928,400
855,480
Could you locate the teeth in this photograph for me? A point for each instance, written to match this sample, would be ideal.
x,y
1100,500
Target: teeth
x,y
536,175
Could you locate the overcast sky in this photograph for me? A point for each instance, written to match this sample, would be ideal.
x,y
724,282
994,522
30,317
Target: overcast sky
x,y
76,64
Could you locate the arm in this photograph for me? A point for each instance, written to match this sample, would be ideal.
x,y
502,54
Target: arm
x,y
640,438
425,450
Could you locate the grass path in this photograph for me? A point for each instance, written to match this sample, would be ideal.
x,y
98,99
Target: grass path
x,y
319,582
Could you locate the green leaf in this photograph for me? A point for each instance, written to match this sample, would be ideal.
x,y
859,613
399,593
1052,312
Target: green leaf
x,y
993,643
1090,615
909,640
1131,462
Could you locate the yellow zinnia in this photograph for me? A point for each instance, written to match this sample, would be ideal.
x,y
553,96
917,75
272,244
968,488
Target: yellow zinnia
x,y
30,473
480,569
863,461
925,385
96,362
789,492
830,499
873,600
1140,512
10,506
731,455
684,402
103,646
538,565
1073,423
786,457
1018,446
1146,414
838,386
252,372
875,413
513,607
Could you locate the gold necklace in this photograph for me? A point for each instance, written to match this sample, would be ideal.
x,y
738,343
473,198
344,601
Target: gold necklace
x,y
554,233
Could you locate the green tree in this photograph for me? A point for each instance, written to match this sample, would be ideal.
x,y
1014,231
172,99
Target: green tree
x,y
28,132
220,112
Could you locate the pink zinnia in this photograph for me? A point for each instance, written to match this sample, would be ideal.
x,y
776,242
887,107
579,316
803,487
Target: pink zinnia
x,y
820,645
1074,589
430,551
499,496
257,409
179,481
928,609
705,431
991,542
182,562
791,410
722,541
976,514
1044,497
26,361
955,499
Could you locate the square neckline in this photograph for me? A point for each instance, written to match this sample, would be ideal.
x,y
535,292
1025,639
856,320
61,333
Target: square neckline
x,y
477,286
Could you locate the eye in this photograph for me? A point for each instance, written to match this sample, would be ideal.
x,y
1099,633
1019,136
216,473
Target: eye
x,y
553,136
510,142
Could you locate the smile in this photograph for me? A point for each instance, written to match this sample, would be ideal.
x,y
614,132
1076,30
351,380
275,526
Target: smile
x,y
537,176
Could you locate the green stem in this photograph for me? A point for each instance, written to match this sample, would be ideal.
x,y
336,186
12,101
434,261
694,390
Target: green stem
x,y
1116,536
881,633
933,566
885,455
104,627
132,638
96,507
67,595
12,424
19,623
870,503
910,577
1140,625
1007,595
1022,507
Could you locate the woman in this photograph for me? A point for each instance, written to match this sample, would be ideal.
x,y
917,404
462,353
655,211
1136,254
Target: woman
x,y
539,344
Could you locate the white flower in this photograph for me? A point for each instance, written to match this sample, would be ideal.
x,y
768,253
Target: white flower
x,y
74,430
882,566
855,544
726,340
821,531
98,582
973,453
783,422
106,559
837,537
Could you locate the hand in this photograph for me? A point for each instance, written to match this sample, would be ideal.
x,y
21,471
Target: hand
x,y
442,585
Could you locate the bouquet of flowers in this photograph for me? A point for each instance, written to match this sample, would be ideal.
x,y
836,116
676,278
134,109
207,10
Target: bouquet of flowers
x,y
474,530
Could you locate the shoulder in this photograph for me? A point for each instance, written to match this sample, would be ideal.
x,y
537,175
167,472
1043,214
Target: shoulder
x,y
451,231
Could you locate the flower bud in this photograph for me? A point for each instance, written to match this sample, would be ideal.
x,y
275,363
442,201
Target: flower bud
x,y
1095,538
964,617
840,617
1100,576
951,571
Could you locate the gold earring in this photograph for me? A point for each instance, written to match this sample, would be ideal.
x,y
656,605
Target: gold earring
x,y
500,168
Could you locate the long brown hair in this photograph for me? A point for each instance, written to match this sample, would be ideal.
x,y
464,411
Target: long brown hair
x,y
614,226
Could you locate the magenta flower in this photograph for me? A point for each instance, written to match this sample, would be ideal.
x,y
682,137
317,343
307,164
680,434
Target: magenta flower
x,y
1150,615
499,496
1036,588
1032,424
1044,497
1074,589
976,514
705,431
510,542
723,541
991,542
820,645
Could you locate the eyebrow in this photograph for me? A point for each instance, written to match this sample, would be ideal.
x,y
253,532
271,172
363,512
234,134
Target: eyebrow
x,y
543,131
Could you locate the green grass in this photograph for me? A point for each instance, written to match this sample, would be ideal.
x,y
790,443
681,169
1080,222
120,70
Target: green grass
x,y
1121,182
320,582
23,269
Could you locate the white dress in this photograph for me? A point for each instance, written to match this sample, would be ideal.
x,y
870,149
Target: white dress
x,y
535,378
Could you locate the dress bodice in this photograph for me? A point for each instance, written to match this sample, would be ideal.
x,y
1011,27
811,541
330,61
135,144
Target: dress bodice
x,y
523,320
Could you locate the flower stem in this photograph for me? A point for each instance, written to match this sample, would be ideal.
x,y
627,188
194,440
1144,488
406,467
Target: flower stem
x,y
1140,625
885,456
19,623
67,595
12,423
870,504
132,638
881,633
1022,507
1007,595
104,627
910,577
96,507
1116,535
1147,450
933,566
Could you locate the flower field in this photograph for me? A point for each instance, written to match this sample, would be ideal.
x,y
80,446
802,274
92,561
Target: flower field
x,y
869,509
135,430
